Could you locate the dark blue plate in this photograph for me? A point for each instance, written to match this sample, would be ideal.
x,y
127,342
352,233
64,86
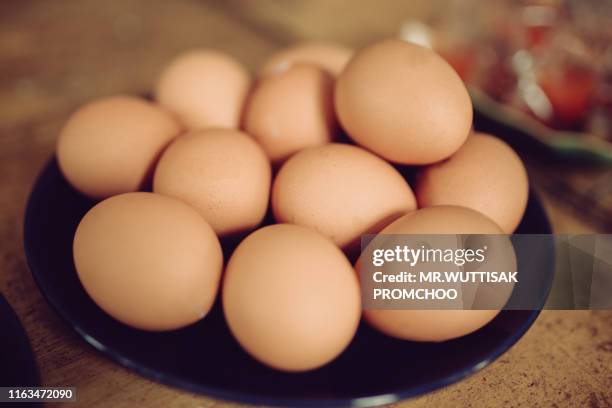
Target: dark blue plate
x,y
204,358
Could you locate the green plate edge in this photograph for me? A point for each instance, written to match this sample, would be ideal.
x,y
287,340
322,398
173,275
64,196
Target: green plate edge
x,y
578,145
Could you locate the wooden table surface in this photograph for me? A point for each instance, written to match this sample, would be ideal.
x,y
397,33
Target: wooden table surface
x,y
56,55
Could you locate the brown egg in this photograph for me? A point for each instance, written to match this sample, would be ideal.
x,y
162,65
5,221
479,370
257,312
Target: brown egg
x,y
340,190
149,261
110,145
222,173
204,88
434,325
292,110
291,298
329,56
485,174
403,102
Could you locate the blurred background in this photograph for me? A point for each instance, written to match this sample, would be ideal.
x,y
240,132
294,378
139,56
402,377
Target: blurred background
x,y
539,72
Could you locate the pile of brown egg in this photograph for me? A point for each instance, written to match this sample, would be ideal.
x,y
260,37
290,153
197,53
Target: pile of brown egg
x,y
321,137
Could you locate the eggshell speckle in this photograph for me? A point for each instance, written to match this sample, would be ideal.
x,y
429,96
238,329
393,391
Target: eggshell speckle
x,y
149,261
341,191
292,110
204,88
291,298
222,173
110,146
403,102
485,174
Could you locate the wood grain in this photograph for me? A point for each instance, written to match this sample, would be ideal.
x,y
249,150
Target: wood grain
x,y
55,55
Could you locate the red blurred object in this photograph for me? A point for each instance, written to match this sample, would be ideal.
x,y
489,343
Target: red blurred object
x,y
463,60
551,59
569,91
500,81
536,36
